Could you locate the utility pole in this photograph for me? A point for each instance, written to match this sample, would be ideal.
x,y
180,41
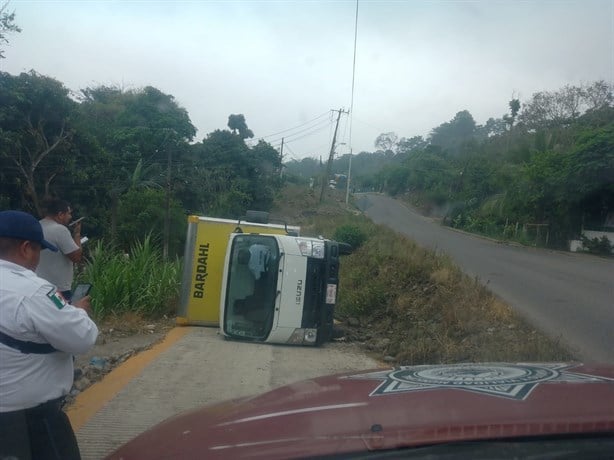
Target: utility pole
x,y
167,214
347,189
281,159
332,153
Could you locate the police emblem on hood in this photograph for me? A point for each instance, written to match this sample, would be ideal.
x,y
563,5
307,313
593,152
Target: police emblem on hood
x,y
514,381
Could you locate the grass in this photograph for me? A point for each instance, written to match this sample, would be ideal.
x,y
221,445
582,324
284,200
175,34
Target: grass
x,y
415,306
139,282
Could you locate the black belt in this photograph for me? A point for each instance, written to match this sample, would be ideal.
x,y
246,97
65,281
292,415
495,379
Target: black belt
x,y
25,346
52,404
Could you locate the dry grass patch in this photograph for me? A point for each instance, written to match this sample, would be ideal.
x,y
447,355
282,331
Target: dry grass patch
x,y
411,305
429,311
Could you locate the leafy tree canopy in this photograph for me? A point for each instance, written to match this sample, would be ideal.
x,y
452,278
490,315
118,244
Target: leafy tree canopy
x,y
453,134
237,124
387,141
35,132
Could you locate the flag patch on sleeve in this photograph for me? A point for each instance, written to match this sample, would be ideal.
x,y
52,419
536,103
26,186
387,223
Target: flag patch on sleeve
x,y
57,299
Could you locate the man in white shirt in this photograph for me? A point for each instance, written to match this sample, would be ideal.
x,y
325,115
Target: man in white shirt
x,y
39,333
58,267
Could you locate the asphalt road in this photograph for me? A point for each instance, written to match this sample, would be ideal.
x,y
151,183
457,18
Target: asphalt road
x,y
566,295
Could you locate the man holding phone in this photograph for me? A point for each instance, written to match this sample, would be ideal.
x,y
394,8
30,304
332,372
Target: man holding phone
x,y
58,267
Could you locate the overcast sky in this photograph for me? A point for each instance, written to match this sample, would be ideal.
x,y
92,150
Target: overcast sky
x,y
286,64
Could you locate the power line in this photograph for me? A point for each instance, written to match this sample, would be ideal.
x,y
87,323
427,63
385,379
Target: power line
x,y
298,126
321,128
312,129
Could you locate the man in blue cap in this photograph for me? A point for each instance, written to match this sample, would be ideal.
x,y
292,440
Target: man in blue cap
x,y
39,334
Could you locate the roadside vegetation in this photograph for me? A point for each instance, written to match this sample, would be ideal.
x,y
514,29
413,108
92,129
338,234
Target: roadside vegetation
x,y
405,304
130,163
409,305
138,283
540,174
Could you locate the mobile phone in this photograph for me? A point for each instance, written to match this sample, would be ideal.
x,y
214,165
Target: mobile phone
x,y
75,222
81,290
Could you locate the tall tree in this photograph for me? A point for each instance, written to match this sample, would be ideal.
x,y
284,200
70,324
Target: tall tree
x,y
414,143
548,109
598,95
510,119
452,135
35,130
237,124
387,141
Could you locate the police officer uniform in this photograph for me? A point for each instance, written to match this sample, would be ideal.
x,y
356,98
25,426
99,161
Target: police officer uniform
x,y
39,333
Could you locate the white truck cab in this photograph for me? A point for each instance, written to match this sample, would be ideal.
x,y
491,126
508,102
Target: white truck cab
x,y
279,288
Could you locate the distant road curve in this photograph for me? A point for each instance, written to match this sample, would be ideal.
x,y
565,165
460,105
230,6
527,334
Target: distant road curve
x,y
566,295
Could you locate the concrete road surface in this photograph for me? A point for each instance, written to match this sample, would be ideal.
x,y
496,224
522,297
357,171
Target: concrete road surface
x,y
194,366
566,295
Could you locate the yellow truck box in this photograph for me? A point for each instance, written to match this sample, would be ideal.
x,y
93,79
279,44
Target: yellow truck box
x,y
204,258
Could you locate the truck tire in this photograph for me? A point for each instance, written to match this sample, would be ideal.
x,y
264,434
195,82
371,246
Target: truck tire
x,y
345,248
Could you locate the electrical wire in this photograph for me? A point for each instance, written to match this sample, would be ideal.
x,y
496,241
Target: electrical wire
x,y
295,127
312,129
287,141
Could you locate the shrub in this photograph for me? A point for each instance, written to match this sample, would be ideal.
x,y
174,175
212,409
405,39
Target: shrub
x,y
600,246
351,234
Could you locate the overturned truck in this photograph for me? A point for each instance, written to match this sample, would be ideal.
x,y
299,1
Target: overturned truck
x,y
259,281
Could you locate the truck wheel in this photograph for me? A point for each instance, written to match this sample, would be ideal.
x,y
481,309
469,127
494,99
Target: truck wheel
x,y
345,248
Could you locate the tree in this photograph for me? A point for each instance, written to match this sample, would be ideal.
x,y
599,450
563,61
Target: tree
x,y
124,182
144,135
415,143
137,122
35,134
226,177
548,109
452,135
386,141
395,179
514,105
7,25
305,168
142,212
263,174
589,173
237,123
492,127
598,95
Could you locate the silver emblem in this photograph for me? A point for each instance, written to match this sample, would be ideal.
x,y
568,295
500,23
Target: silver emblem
x,y
514,381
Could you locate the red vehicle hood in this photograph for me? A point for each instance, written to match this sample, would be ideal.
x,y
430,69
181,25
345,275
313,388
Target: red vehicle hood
x,y
391,408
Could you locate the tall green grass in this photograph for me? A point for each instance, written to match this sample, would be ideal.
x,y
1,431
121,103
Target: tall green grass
x,y
139,282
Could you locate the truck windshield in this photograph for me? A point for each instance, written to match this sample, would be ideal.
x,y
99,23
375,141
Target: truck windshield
x,y
252,287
